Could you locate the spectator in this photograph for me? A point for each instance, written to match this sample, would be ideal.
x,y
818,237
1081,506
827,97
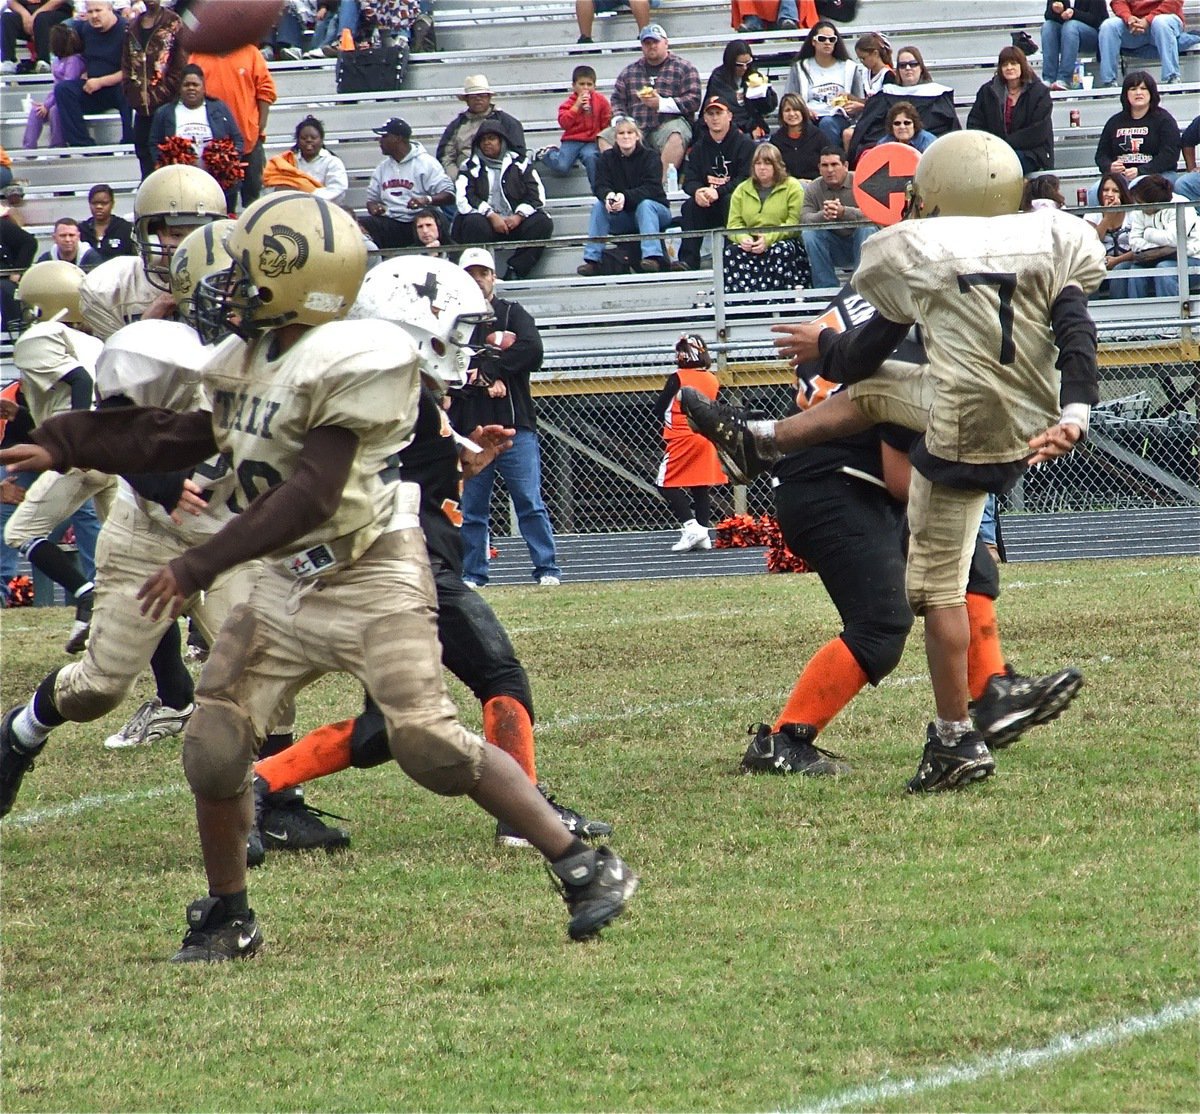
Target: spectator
x,y
454,148
32,20
103,38
585,13
831,83
904,125
287,36
152,65
1069,28
329,20
68,65
737,82
748,16
69,248
1143,138
1015,106
17,249
198,118
766,260
308,166
661,93
1147,26
1153,237
386,22
241,79
6,175
629,197
1112,228
582,116
508,351
108,235
798,138
408,179
718,161
429,228
874,54
1188,184
828,201
499,197
1043,191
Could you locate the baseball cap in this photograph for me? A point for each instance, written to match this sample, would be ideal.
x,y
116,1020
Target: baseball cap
x,y
395,126
477,257
652,31
716,100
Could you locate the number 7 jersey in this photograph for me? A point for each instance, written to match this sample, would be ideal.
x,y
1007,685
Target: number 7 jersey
x,y
982,288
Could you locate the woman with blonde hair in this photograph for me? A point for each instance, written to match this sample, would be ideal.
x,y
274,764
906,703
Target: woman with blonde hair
x,y
764,250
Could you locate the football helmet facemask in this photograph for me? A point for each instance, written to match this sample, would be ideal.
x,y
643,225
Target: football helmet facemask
x,y
967,174
50,288
178,198
691,351
200,254
436,303
295,259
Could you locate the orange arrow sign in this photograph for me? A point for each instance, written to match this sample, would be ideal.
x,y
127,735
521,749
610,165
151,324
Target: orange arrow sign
x,y
881,181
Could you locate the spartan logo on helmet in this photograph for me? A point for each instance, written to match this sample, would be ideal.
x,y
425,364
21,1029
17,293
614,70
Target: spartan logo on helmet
x,y
181,274
284,250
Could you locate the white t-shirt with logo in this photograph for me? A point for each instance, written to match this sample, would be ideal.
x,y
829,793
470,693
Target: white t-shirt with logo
x,y
192,123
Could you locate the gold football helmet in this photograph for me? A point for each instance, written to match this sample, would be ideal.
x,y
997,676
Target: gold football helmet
x,y
201,253
49,288
173,199
967,174
296,259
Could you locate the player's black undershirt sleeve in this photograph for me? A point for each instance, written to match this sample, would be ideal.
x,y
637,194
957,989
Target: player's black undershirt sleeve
x,y
857,353
127,439
278,517
1075,335
82,393
662,404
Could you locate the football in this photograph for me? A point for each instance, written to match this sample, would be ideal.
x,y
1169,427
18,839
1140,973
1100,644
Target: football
x,y
220,26
502,340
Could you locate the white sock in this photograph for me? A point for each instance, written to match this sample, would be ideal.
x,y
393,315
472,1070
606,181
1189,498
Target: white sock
x,y
83,589
951,731
763,432
28,729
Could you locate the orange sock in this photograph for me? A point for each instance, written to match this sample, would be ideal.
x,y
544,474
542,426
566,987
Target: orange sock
x,y
984,657
506,724
830,680
323,751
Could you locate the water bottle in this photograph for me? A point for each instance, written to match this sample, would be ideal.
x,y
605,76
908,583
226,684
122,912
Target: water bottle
x,y
1077,77
672,180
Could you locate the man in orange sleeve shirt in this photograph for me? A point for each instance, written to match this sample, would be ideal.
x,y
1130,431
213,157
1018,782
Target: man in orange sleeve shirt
x,y
241,79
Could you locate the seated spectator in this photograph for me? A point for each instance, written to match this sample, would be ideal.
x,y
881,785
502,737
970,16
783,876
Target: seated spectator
x,y
429,227
6,175
717,163
500,199
17,249
661,93
69,248
103,37
585,13
307,166
406,180
1146,26
1188,184
830,81
68,65
287,36
108,235
30,20
454,148
1112,228
1015,106
904,125
828,203
1143,138
1043,191
386,22
766,260
798,138
748,16
1153,238
582,116
1069,28
737,82
874,54
629,198
329,20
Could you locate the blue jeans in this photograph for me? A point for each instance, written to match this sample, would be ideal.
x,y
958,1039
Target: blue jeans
x,y
1162,39
560,159
650,218
1165,282
85,521
833,126
521,469
73,104
1188,185
1062,43
828,249
788,9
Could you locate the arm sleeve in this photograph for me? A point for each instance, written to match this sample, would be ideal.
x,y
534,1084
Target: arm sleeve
x,y
662,404
568,115
810,208
1075,335
1167,156
277,517
1104,147
128,439
163,488
857,353
82,390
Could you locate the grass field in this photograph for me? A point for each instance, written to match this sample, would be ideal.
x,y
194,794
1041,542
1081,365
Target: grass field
x,y
1028,944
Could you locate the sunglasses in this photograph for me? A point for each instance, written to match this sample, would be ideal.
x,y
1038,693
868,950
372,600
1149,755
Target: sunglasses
x,y
908,65
825,38
902,123
743,65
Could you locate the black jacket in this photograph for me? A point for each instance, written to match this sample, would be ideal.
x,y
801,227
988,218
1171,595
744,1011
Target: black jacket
x,y
934,102
1032,133
1151,143
747,114
729,158
471,405
637,175
801,156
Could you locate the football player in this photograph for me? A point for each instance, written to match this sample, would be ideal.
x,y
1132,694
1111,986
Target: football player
x,y
307,407
1011,376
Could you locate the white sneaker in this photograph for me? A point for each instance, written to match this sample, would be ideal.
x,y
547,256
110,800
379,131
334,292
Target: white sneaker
x,y
41,66
8,67
692,536
549,581
151,722
291,54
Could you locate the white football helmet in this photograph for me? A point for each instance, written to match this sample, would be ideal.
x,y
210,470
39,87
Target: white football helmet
x,y
49,288
294,259
436,303
200,254
967,174
177,197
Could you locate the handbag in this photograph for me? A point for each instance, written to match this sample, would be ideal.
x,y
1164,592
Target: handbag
x,y
840,11
376,69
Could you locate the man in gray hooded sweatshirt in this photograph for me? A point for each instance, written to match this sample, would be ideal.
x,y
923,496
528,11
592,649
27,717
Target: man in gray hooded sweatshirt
x,y
408,180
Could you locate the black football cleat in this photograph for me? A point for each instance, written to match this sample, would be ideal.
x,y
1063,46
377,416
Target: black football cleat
x,y
596,886
215,937
726,428
790,750
575,823
1011,703
943,767
15,761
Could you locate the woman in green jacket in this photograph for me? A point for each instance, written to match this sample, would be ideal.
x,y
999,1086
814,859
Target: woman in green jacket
x,y
766,260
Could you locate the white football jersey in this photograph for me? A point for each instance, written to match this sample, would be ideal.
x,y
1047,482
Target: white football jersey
x,y
43,354
115,294
359,375
982,288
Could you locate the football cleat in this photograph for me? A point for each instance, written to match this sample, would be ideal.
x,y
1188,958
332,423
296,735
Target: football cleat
x,y
944,767
726,428
15,761
297,826
150,723
82,626
214,937
1012,703
575,823
596,886
790,750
